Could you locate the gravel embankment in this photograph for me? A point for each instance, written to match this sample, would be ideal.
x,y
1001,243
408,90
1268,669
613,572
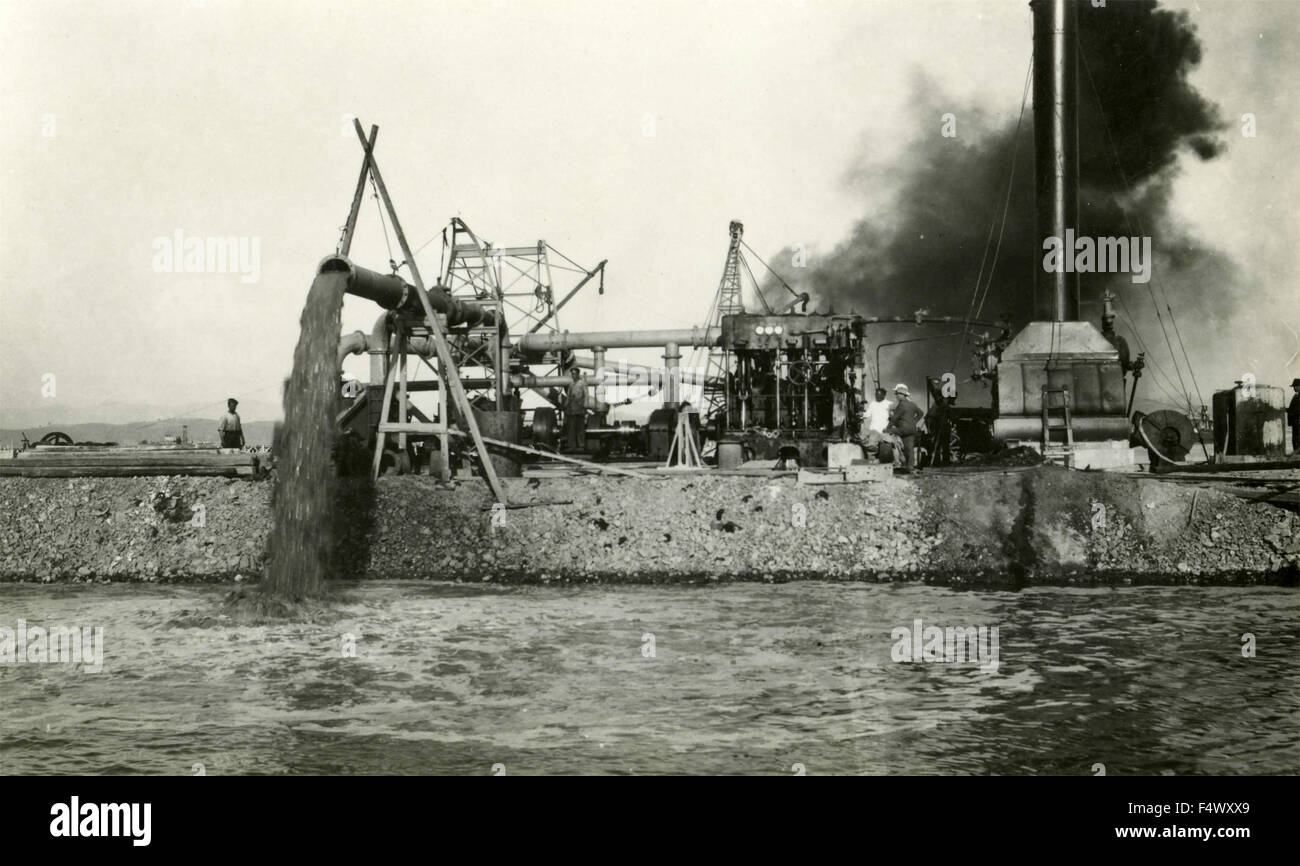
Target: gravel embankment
x,y
132,528
998,529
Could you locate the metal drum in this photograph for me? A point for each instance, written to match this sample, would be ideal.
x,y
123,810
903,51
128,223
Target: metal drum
x,y
506,427
730,455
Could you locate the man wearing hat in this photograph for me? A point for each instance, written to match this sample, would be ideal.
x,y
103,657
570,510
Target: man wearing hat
x,y
1293,416
575,412
902,423
229,428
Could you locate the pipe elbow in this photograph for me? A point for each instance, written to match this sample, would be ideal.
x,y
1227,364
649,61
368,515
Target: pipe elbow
x,y
352,344
379,333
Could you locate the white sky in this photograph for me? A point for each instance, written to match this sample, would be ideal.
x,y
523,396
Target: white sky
x,y
524,118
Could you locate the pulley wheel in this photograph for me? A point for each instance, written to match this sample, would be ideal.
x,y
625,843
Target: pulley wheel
x,y
545,427
1167,428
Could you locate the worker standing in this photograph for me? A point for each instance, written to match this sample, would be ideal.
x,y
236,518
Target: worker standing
x,y
875,418
902,423
229,428
575,412
1293,416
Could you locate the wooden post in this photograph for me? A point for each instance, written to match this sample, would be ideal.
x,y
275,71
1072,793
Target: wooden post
x,y
381,436
350,227
404,413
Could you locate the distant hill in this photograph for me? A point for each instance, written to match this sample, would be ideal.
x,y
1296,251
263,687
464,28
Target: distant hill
x,y
64,413
200,430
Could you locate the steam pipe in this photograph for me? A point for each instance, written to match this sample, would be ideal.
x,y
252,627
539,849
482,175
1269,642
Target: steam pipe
x,y
643,373
880,346
393,293
352,344
923,318
376,342
518,380
554,342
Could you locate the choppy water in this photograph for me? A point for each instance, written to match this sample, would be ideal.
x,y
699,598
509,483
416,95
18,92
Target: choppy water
x,y
745,678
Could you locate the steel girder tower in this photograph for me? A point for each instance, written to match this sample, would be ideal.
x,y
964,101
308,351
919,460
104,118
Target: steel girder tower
x,y
728,301
515,280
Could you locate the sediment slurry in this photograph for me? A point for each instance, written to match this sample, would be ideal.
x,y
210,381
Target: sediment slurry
x,y
301,555
1005,529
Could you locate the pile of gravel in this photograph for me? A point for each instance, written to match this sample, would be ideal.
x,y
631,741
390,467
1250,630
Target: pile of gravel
x,y
999,528
132,528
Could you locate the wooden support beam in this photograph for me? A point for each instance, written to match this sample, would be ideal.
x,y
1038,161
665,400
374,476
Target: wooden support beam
x,y
449,371
412,427
586,464
404,405
350,227
384,411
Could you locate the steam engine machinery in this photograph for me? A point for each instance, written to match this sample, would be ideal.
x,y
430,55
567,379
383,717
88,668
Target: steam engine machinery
x,y
793,386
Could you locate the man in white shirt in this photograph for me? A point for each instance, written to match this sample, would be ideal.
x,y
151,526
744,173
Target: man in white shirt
x,y
875,418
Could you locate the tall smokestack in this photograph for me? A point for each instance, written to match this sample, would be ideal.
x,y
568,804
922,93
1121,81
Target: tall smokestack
x,y
1056,151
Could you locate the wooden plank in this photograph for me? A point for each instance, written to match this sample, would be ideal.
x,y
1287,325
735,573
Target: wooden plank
x,y
598,467
100,449
811,476
136,460
412,427
11,470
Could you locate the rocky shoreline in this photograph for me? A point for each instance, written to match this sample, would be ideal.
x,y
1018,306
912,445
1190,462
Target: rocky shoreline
x,y
994,529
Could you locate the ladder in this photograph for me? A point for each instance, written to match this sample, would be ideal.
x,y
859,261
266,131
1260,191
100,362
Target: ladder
x,y
1058,450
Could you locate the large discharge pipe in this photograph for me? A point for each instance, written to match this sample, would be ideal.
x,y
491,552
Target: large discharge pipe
x,y
393,293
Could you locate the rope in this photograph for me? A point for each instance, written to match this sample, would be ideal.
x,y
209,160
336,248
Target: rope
x,y
769,270
1006,205
187,412
758,291
1179,334
382,224
971,312
1119,168
425,244
1151,361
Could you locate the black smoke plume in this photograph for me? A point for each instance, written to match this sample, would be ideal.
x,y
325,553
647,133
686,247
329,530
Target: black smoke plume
x,y
1137,112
